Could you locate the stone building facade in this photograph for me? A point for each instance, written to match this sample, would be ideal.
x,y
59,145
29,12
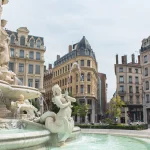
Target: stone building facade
x,y
145,63
27,57
129,88
82,85
48,76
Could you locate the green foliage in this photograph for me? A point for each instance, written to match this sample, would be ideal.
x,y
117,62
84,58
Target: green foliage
x,y
55,109
115,106
107,121
119,126
34,103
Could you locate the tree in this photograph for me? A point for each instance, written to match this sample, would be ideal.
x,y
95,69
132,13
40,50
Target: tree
x,y
115,106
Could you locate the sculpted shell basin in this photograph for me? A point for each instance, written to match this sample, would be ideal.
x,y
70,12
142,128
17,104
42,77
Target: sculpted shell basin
x,y
14,91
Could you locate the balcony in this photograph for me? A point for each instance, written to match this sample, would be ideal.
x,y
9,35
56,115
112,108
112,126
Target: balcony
x,y
130,82
121,81
121,92
136,82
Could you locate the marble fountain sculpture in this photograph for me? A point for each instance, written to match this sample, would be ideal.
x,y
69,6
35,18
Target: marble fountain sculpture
x,y
21,124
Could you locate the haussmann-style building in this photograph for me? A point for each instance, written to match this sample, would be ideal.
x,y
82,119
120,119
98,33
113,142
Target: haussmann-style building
x,y
145,64
129,88
27,57
82,85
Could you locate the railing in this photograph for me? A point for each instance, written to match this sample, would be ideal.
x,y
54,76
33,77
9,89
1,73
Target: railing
x,y
121,92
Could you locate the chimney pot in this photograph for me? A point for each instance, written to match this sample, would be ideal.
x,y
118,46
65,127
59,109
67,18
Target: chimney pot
x,y
58,57
70,48
117,59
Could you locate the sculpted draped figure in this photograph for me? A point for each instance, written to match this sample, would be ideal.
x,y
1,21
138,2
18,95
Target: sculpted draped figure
x,y
62,122
4,51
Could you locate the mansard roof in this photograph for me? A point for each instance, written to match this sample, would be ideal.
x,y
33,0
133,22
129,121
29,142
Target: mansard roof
x,y
84,44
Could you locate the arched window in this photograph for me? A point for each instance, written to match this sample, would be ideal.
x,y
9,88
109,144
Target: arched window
x,y
12,39
88,77
38,43
22,40
32,43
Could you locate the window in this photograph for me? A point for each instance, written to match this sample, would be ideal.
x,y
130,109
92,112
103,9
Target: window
x,y
122,98
60,83
137,100
121,88
88,77
121,69
130,70
37,83
12,39
68,67
21,67
147,85
76,89
89,101
30,69
82,62
137,80
146,71
30,82
38,43
21,53
137,89
121,80
12,54
37,69
88,63
31,55
131,100
145,59
22,40
130,79
89,89
130,89
136,70
81,89
32,43
82,77
147,98
71,79
20,82
76,77
65,68
11,66
65,81
38,56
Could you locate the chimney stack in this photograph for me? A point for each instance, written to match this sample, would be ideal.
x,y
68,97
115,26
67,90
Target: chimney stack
x,y
70,48
123,60
117,59
58,57
139,59
50,66
133,59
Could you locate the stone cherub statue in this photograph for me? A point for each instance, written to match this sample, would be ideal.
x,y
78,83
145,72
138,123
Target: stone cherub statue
x,y
23,108
62,122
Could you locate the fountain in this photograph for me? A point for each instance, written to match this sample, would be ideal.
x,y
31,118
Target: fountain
x,y
21,126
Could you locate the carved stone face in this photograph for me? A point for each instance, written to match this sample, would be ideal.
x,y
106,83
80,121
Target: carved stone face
x,y
4,2
56,90
3,23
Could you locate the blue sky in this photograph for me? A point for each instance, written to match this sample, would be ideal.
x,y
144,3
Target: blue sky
x,y
111,27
